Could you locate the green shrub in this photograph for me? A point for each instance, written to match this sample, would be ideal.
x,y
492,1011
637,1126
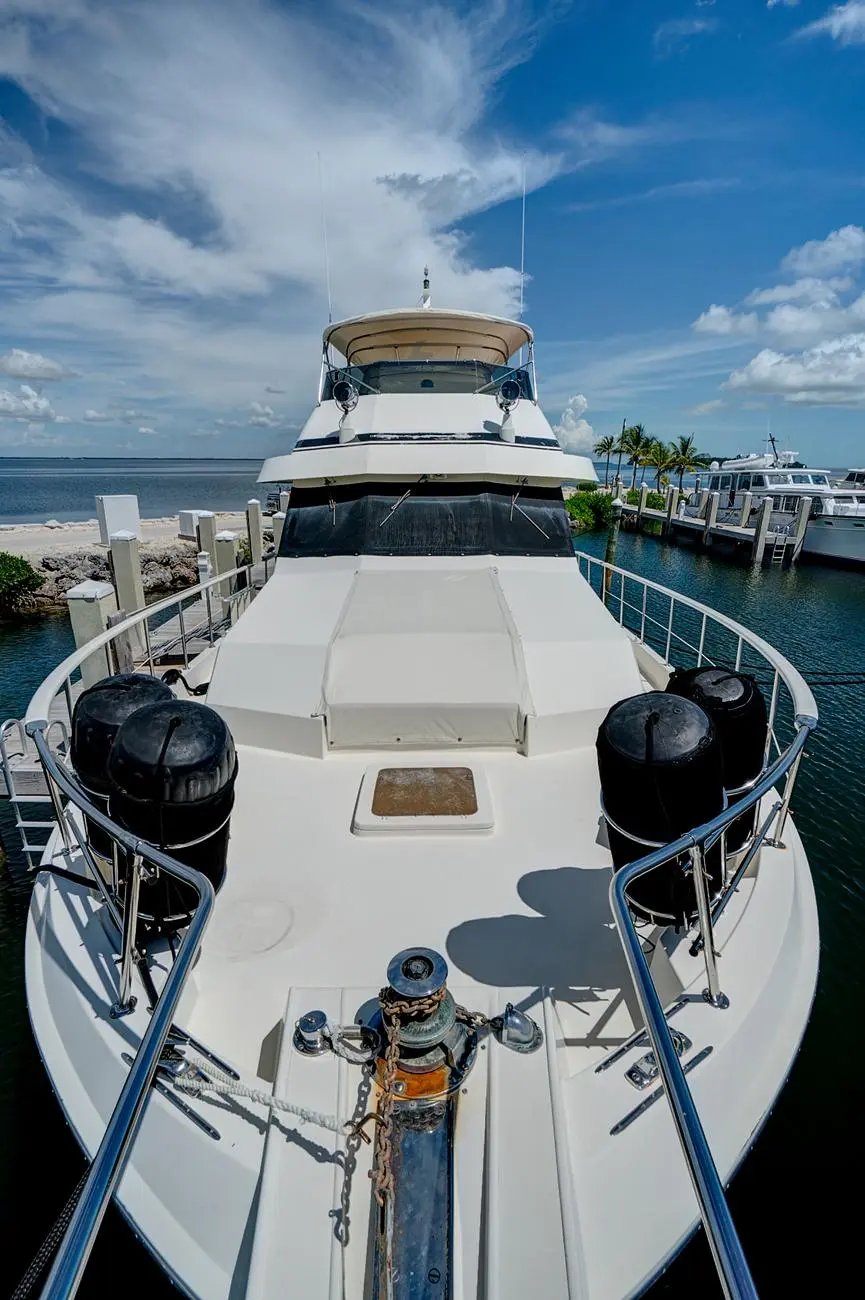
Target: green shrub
x,y
654,500
589,509
18,581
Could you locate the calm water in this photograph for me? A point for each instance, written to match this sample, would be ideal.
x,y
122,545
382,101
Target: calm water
x,y
35,489
790,1196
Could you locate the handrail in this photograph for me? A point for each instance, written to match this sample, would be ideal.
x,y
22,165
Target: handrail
x,y
803,699
114,1149
40,703
732,1267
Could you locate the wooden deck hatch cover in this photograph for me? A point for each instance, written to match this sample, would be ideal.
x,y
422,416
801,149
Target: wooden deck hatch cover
x,y
425,792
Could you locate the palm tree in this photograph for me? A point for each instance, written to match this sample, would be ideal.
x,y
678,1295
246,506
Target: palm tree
x,y
605,447
659,458
620,449
685,457
636,444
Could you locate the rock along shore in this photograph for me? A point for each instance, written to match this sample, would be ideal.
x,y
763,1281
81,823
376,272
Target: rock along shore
x,y
66,554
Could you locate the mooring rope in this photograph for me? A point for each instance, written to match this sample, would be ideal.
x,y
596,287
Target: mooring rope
x,y
202,1081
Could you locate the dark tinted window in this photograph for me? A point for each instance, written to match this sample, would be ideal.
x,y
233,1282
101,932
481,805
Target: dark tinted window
x,y
427,377
425,519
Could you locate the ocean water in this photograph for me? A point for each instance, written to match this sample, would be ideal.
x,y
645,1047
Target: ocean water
x,y
790,1197
35,489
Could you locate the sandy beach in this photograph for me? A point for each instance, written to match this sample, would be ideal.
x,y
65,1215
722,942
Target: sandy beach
x,y
49,539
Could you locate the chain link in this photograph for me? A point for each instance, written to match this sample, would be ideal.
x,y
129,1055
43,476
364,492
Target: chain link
x,y
391,1010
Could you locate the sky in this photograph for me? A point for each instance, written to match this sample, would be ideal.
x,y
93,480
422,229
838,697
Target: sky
x,y
695,214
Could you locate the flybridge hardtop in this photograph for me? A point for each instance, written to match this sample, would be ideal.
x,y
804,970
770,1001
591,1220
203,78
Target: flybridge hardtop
x,y
422,866
422,376
428,334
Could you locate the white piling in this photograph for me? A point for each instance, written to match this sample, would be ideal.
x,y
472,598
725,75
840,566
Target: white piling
x,y
253,528
225,545
758,545
644,492
283,501
711,517
803,514
126,562
278,522
207,534
747,502
90,605
672,503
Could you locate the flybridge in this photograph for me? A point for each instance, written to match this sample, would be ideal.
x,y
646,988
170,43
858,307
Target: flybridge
x,y
427,392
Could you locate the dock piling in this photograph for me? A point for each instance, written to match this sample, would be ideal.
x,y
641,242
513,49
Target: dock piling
x,y
803,514
90,604
747,500
283,502
711,516
758,545
207,534
644,492
225,544
253,528
126,562
672,506
278,521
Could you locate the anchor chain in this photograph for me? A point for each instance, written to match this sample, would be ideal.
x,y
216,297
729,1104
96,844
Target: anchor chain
x,y
391,1010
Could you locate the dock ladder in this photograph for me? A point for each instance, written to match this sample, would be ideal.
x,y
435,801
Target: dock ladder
x,y
779,547
24,785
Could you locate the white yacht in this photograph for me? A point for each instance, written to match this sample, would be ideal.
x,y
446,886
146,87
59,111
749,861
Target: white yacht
x,y
410,928
836,526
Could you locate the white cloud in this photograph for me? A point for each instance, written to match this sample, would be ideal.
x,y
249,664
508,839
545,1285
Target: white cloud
x,y
840,250
146,430
707,408
844,22
573,432
722,320
19,364
419,152
97,417
26,404
830,374
790,4
800,324
674,36
810,289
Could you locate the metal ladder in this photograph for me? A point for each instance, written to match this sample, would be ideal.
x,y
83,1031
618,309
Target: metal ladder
x,y
779,548
13,729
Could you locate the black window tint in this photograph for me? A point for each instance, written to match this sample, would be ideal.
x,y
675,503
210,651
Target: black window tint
x,y
425,519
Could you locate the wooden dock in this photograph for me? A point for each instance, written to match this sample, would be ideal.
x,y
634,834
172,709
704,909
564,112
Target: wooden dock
x,y
708,526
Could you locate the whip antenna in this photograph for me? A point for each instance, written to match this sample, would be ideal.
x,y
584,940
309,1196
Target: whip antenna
x,y
523,243
324,241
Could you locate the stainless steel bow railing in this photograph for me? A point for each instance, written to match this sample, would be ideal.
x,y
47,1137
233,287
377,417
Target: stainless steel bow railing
x,y
730,1262
225,592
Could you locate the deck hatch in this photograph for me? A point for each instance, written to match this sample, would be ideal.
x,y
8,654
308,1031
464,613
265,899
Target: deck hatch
x,y
426,799
425,792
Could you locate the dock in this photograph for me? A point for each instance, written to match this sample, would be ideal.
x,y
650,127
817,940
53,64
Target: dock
x,y
743,528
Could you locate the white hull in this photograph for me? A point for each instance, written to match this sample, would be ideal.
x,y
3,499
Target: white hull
x,y
573,1213
836,538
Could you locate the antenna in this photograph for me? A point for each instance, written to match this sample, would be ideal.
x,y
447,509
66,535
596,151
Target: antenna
x,y
425,300
324,240
523,244
523,248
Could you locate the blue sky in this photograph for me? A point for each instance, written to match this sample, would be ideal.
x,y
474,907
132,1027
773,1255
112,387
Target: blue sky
x,y
695,224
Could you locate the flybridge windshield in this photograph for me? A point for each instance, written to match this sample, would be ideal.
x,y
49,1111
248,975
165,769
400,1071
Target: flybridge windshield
x,y
423,518
427,377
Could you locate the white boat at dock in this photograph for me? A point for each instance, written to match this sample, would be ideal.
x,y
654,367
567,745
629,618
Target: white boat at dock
x,y
836,525
327,959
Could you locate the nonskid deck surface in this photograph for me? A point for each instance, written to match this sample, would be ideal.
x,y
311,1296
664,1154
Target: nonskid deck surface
x,y
306,902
